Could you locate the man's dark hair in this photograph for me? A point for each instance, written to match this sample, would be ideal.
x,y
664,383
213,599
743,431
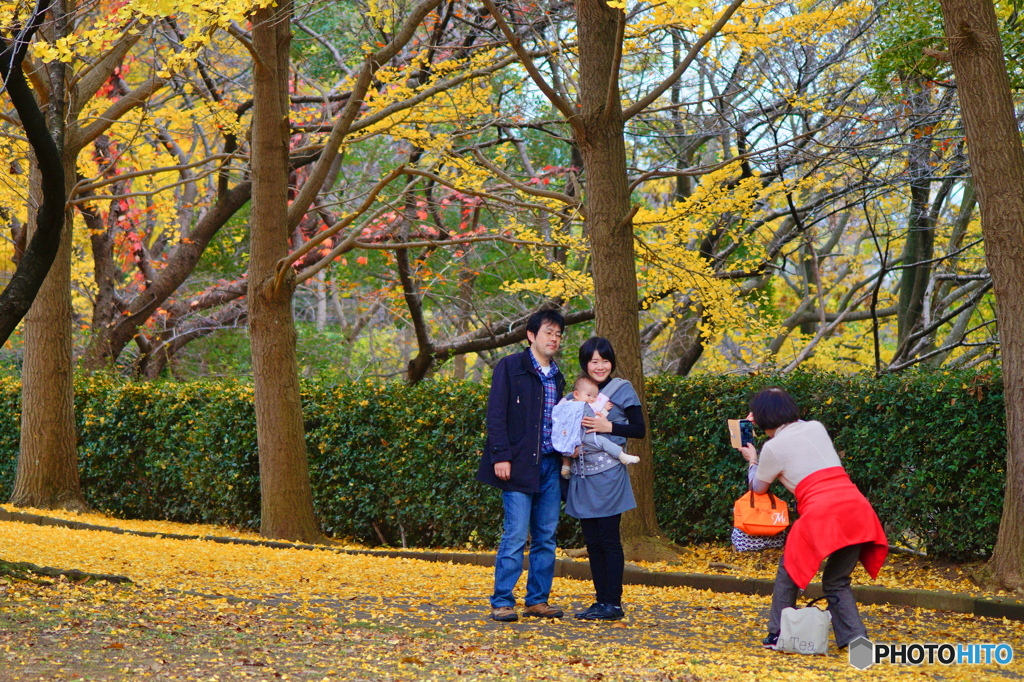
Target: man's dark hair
x,y
773,407
603,347
538,319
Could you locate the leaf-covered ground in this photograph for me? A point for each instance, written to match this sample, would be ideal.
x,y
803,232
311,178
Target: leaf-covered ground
x,y
204,611
902,571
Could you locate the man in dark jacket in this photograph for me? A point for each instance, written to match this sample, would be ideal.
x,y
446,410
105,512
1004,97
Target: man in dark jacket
x,y
520,460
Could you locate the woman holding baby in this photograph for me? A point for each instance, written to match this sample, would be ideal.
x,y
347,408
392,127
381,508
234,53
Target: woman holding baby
x,y
599,488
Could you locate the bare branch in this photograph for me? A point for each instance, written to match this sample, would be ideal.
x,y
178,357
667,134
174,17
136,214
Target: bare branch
x,y
342,127
286,263
82,187
79,137
572,202
660,90
528,63
243,37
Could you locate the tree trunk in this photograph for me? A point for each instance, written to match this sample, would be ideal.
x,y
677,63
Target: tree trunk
x,y
997,165
467,280
600,135
812,282
286,495
920,242
320,291
47,474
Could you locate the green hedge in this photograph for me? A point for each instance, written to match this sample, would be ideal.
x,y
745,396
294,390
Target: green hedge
x,y
388,460
385,459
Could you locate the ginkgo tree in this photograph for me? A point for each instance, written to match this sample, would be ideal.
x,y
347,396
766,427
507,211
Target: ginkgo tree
x,y
586,90
169,180
143,294
770,183
93,94
695,178
770,243
143,184
47,472
286,503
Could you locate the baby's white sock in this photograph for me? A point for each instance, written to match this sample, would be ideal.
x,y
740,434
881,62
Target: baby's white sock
x,y
628,459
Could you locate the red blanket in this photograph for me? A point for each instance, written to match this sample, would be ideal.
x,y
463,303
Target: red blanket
x,y
833,514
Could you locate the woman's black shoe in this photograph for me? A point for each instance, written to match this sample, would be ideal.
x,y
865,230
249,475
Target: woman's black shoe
x,y
771,640
602,612
589,613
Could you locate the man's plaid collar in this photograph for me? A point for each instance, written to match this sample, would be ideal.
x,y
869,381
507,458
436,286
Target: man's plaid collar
x,y
540,371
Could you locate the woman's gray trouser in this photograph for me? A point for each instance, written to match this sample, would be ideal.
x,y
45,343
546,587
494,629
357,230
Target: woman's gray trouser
x,y
846,623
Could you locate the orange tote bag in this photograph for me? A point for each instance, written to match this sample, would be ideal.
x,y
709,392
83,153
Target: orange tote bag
x,y
760,514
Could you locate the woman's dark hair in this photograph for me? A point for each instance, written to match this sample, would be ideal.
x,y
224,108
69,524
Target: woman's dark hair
x,y
603,347
772,408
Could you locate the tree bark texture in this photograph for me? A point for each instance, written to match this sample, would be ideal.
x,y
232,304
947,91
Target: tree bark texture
x,y
920,243
997,166
47,472
600,134
286,494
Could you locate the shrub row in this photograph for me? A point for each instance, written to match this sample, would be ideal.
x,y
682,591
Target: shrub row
x,y
391,462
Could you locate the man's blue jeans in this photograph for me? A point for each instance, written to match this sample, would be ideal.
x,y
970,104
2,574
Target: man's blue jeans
x,y
535,514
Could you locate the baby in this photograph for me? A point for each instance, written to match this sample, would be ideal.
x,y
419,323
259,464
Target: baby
x,y
586,390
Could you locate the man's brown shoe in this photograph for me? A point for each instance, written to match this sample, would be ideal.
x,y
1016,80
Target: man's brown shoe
x,y
543,610
504,614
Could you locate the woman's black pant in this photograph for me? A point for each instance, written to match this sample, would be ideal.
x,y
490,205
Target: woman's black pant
x,y
606,558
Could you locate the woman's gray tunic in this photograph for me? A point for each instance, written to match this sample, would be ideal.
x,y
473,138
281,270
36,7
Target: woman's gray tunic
x,y
606,493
